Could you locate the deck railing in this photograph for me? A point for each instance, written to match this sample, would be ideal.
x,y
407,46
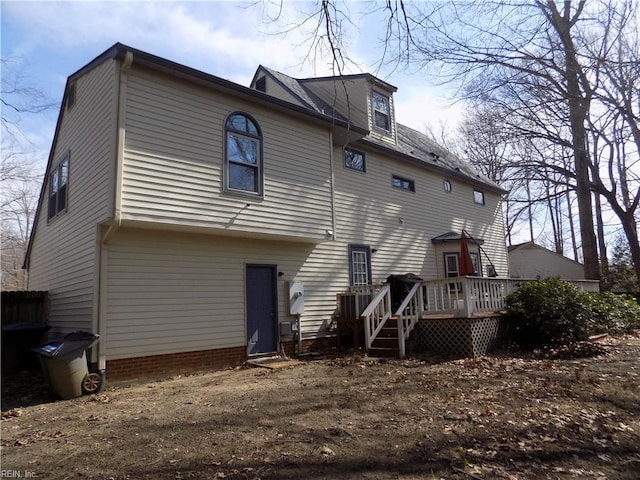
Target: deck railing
x,y
467,296
463,297
376,314
472,296
408,314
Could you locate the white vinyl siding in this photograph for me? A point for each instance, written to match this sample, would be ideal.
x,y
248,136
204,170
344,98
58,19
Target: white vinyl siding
x,y
64,255
400,226
175,292
531,261
173,167
275,89
347,96
170,292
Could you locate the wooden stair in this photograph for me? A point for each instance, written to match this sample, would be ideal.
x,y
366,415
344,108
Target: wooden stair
x,y
386,343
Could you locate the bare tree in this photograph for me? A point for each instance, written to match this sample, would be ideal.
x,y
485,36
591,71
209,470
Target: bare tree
x,y
19,97
533,50
20,186
20,175
614,121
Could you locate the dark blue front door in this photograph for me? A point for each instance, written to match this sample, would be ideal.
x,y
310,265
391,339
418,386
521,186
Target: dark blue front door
x,y
262,310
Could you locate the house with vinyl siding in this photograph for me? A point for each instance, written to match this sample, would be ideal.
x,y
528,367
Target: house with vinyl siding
x,y
529,260
182,215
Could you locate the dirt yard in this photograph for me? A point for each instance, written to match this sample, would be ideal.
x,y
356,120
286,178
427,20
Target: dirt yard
x,y
559,415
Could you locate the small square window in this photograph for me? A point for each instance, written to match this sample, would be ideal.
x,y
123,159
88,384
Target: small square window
x,y
354,160
403,183
478,197
381,111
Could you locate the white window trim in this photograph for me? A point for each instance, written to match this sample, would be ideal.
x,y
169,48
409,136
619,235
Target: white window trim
x,y
57,169
387,114
258,140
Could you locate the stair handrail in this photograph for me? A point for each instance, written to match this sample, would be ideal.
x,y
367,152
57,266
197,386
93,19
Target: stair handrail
x,y
407,322
376,314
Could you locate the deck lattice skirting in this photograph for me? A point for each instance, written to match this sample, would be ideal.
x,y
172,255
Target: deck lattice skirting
x,y
464,337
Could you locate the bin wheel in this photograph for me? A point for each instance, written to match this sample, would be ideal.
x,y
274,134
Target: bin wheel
x,y
91,383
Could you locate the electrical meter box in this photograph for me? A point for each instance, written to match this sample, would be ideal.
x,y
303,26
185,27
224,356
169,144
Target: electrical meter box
x,y
296,298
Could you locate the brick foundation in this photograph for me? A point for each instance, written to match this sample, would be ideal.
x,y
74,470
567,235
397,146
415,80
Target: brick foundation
x,y
157,366
322,344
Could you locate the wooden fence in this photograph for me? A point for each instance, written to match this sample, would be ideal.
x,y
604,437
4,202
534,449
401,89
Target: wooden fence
x,y
32,307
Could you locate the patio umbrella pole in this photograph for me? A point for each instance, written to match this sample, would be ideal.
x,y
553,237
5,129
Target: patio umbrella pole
x,y
482,250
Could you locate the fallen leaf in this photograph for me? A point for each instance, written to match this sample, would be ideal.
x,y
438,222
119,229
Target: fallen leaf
x,y
326,451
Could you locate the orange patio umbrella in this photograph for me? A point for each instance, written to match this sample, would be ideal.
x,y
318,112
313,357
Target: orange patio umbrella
x,y
466,263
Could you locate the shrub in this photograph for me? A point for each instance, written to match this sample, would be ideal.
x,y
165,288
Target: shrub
x,y
612,313
548,312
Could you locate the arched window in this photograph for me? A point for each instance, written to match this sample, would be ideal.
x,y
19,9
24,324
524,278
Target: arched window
x,y
243,152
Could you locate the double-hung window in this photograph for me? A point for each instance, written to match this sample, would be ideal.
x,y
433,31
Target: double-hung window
x,y
58,186
243,154
381,111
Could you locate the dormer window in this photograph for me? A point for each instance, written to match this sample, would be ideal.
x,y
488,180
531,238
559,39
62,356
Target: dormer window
x,y
381,112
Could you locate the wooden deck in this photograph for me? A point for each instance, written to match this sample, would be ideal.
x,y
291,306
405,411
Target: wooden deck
x,y
447,333
442,316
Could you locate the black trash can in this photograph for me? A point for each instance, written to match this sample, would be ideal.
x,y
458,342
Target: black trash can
x,y
64,362
400,286
17,341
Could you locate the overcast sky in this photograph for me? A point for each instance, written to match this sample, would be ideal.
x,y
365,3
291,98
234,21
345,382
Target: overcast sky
x,y
47,41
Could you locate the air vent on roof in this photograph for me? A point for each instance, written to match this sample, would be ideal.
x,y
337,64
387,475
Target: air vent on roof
x,y
261,84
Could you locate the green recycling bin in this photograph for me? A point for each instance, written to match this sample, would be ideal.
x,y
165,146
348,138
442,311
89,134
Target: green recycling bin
x,y
64,362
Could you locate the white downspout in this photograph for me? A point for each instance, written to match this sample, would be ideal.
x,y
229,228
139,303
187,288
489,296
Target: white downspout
x,y
117,212
333,187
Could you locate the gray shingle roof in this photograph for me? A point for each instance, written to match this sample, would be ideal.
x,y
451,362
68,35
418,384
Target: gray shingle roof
x,y
303,94
410,143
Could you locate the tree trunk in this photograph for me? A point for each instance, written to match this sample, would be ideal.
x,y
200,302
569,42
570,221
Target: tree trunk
x,y
529,212
630,228
583,194
604,261
578,102
574,244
